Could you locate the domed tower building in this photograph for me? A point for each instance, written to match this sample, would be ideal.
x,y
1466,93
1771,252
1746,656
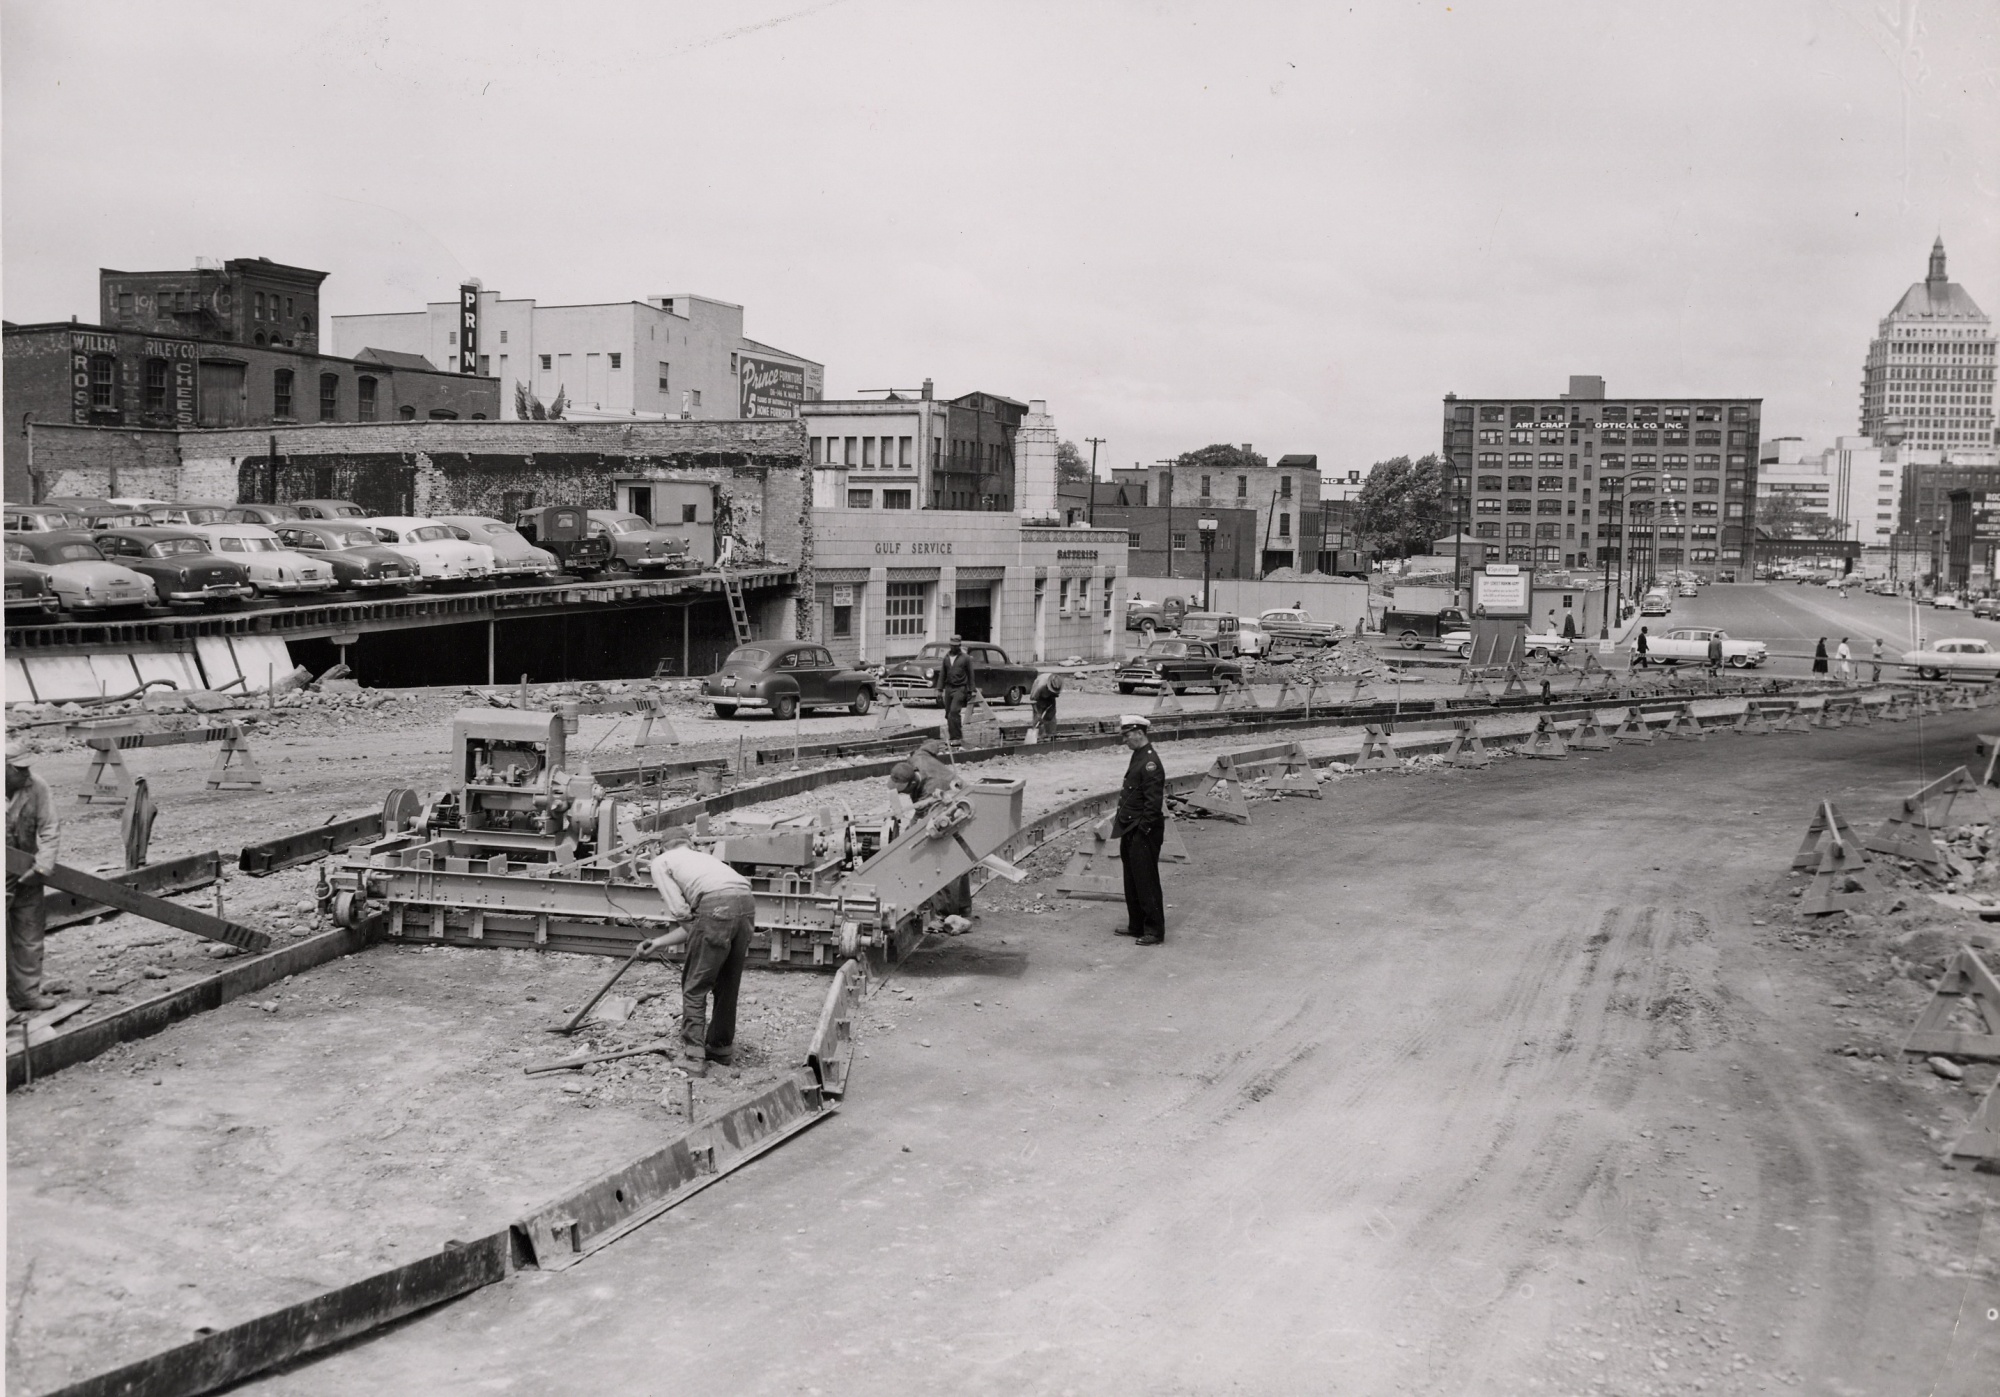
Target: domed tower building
x,y
1929,376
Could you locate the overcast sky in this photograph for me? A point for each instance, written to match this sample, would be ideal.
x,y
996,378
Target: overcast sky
x,y
1296,225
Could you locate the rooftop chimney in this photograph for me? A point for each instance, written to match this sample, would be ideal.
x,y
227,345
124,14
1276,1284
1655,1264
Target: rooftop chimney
x,y
927,390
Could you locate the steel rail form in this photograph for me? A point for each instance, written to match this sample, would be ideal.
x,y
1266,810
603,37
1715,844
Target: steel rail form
x,y
311,621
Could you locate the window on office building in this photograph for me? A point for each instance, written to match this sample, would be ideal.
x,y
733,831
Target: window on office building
x,y
1242,486
1486,507
1548,506
103,381
903,609
281,392
1520,506
1284,487
1284,526
903,452
1486,529
1549,482
860,499
329,397
1489,482
665,377
616,359
868,453
1520,482
1180,543
156,385
1517,530
364,399
1132,540
895,499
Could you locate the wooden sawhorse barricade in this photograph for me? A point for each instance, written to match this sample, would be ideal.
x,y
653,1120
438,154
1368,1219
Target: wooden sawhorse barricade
x,y
109,780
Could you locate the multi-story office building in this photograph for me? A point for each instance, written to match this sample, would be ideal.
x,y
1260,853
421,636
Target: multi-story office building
x,y
1930,368
920,453
1854,485
246,300
1285,495
1577,480
666,356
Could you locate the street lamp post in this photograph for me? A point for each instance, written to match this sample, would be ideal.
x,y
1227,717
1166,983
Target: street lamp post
x,y
1207,528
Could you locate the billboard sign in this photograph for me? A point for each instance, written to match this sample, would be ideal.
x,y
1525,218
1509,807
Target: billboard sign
x,y
181,357
769,388
468,329
1500,589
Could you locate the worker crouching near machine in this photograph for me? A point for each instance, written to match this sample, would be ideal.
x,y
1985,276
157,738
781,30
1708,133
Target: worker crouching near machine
x,y
716,912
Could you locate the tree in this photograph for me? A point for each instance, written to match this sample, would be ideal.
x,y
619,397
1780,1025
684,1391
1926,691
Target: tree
x,y
1071,468
1401,507
1782,516
1216,459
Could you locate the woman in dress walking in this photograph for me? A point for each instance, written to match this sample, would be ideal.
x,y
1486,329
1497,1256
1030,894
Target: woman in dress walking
x,y
1819,657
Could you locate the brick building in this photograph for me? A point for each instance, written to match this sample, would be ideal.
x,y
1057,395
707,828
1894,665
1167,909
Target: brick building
x,y
1659,483
1164,541
1284,494
916,452
246,300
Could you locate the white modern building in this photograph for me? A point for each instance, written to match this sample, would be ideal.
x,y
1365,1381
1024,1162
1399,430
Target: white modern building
x,y
666,356
1930,368
1855,484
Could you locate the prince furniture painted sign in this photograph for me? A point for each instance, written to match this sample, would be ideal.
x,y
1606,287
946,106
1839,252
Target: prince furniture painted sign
x,y
769,388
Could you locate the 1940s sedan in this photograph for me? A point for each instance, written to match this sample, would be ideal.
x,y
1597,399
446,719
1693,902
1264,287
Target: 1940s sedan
x,y
784,678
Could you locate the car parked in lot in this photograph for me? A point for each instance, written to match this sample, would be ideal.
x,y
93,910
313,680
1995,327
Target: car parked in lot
x,y
1689,645
438,553
1962,657
189,513
1251,637
785,678
269,515
514,558
275,570
997,677
40,519
636,546
82,579
1292,625
1179,665
565,530
29,595
359,560
1216,628
1146,617
1413,628
185,568
329,509
1549,645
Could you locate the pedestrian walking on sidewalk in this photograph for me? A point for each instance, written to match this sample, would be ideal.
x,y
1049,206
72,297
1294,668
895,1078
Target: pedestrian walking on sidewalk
x,y
1819,657
1639,659
1846,660
1139,827
1714,654
1047,686
955,680
1875,661
32,829
1569,625
716,911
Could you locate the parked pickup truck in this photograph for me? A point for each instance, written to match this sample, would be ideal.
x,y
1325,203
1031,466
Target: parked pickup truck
x,y
997,677
1689,645
1414,628
1291,626
1146,617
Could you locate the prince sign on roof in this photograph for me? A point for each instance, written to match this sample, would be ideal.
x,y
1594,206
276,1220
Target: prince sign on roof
x,y
770,388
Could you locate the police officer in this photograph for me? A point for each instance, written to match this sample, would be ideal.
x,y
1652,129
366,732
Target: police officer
x,y
32,829
1139,827
955,678
1048,685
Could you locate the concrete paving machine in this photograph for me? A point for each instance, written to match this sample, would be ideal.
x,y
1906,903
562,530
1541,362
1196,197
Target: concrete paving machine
x,y
523,852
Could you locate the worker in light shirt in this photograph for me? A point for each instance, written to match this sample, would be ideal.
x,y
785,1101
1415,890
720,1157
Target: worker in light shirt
x,y
716,910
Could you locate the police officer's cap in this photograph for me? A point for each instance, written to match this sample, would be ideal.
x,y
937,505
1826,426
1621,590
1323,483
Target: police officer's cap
x,y
1134,720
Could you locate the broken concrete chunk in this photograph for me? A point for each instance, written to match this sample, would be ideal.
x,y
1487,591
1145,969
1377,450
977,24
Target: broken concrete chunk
x,y
1946,1068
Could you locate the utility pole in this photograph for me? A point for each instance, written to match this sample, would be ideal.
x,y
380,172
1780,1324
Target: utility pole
x,y
1207,528
1090,501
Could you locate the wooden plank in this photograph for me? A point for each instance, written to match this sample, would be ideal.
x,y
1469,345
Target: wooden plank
x,y
230,1355
61,909
88,1040
153,909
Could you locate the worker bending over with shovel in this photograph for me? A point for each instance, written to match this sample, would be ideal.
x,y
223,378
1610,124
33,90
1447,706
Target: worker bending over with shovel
x,y
716,911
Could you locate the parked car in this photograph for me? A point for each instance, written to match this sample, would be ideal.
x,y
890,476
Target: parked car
x,y
275,570
1945,601
996,676
1179,664
183,564
269,515
1413,628
784,678
1217,628
1293,625
145,504
1986,608
565,531
1548,645
30,597
439,555
114,516
189,513
1689,645
329,509
359,560
40,519
1957,658
1655,603
513,556
1146,617
636,546
1251,637
82,579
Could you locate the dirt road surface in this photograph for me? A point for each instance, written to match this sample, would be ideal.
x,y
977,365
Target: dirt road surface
x,y
1523,1080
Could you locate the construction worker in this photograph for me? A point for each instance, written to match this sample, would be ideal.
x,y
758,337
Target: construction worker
x,y
955,680
1139,827
716,910
1048,684
32,829
925,776
1875,659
